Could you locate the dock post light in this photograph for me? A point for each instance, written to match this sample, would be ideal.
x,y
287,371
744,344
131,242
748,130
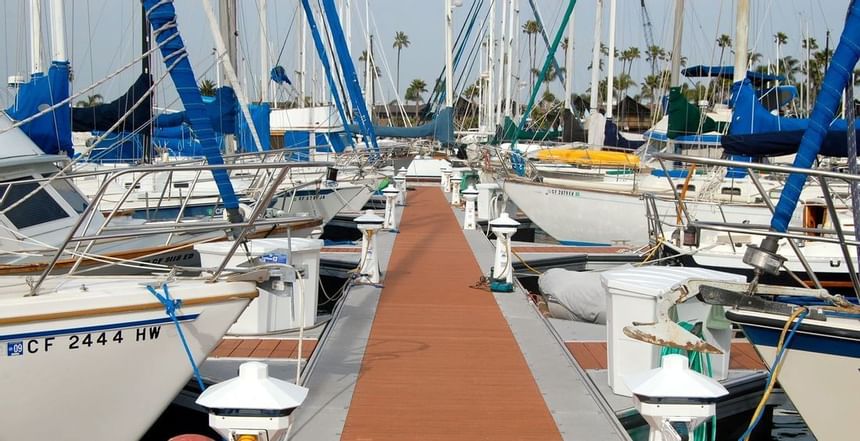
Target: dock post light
x,y
455,188
400,181
470,195
674,395
252,406
502,277
368,267
390,219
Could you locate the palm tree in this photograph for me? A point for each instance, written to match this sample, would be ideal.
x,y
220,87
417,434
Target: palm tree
x,y
401,40
531,28
207,88
362,59
414,91
91,101
723,42
653,54
780,39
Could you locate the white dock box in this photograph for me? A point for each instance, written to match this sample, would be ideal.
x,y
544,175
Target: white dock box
x,y
268,312
632,296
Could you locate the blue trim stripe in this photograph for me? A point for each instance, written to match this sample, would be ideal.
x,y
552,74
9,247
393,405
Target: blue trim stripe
x,y
577,243
804,341
97,328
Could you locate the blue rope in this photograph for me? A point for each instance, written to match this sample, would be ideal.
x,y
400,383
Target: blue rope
x,y
776,362
170,306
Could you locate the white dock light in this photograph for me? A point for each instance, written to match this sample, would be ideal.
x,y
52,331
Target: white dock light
x,y
470,195
455,188
390,220
502,277
674,394
446,178
252,406
400,181
368,267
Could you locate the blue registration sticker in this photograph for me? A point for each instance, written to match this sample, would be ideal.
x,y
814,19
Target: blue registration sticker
x,y
14,348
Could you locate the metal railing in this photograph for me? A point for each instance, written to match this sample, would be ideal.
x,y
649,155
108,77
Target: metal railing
x,y
816,234
239,230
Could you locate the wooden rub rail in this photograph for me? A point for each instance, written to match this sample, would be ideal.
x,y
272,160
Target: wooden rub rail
x,y
441,362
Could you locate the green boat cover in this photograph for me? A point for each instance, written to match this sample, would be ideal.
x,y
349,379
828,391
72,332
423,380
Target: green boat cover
x,y
685,118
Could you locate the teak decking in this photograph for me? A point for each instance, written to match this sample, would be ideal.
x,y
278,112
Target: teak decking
x,y
441,362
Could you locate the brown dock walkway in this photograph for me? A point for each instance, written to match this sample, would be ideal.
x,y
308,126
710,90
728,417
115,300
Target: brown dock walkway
x,y
441,361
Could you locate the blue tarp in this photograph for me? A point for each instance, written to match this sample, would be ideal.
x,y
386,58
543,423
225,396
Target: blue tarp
x,y
52,132
244,139
613,138
783,143
750,116
221,108
726,72
440,128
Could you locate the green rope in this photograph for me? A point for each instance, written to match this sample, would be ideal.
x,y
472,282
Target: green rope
x,y
701,363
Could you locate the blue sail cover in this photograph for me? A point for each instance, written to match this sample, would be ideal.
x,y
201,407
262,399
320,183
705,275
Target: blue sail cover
x,y
52,132
350,76
441,128
726,72
321,52
783,143
221,108
244,138
837,77
162,17
103,117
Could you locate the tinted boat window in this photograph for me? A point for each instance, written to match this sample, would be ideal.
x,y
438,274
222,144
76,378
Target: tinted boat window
x,y
36,209
78,203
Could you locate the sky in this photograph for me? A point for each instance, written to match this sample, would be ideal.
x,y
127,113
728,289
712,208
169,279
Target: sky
x,y
104,35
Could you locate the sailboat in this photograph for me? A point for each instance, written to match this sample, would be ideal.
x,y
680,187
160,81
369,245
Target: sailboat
x,y
810,339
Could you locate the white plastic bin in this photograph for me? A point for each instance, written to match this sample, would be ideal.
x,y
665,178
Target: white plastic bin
x,y
268,312
632,296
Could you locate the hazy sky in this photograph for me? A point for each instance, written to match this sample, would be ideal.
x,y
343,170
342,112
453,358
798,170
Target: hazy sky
x,y
103,35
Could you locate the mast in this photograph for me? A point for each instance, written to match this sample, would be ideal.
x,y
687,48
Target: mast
x,y
515,52
58,31
36,36
675,73
449,60
228,35
502,64
230,74
145,69
491,66
568,65
264,52
595,56
742,21
303,66
610,69
368,76
509,55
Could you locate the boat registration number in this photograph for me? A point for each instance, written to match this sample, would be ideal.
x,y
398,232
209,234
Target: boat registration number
x,y
558,192
75,342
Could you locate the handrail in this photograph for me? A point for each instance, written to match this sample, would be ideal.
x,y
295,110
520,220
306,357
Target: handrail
x,y
144,170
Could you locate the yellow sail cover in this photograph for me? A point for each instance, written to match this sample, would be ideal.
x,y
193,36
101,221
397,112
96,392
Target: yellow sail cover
x,y
585,157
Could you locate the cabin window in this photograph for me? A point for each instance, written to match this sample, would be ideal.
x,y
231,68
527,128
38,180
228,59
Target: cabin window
x,y
731,191
38,208
680,187
78,203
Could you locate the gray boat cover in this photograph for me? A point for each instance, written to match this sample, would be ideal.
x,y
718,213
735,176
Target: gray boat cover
x,y
575,295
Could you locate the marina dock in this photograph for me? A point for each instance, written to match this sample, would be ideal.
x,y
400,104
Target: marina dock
x,y
428,356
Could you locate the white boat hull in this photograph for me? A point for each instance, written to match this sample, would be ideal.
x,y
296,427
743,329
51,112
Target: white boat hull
x,y
589,217
109,375
820,371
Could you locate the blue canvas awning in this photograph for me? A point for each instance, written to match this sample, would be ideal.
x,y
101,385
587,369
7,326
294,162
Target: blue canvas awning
x,y
726,72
